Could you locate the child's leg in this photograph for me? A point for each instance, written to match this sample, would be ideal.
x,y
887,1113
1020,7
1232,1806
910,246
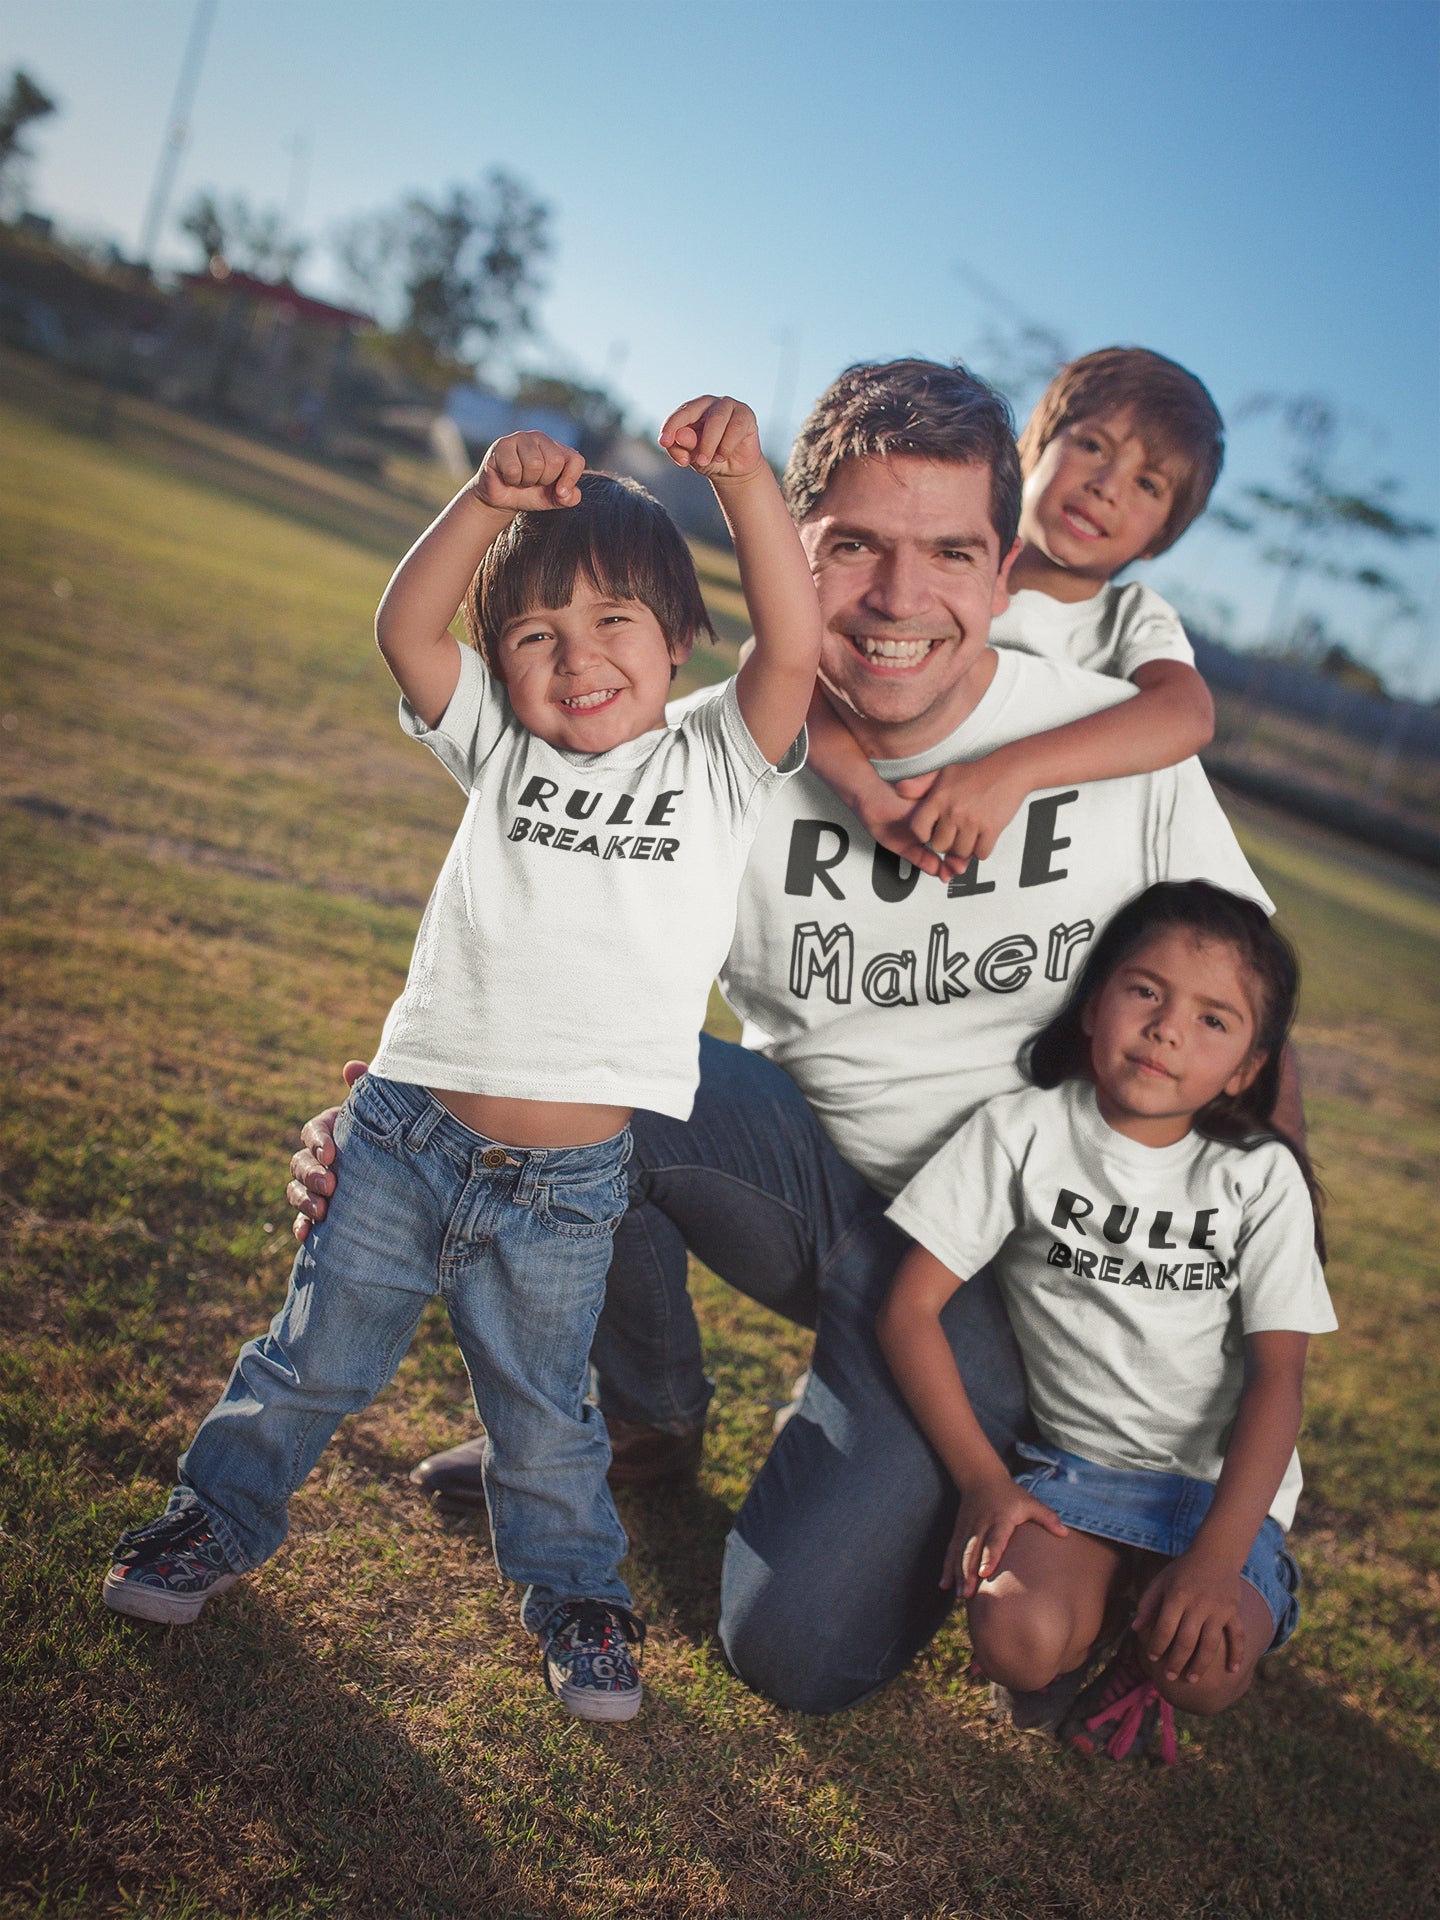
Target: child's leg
x,y
1043,1611
1218,1688
357,1289
524,1296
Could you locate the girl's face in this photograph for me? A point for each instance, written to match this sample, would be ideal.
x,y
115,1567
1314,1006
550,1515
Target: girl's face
x,y
1171,1028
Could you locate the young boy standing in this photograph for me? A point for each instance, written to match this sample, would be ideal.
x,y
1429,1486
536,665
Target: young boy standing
x,y
559,980
1119,457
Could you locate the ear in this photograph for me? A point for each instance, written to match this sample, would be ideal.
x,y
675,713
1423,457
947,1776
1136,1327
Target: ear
x,y
1000,599
679,651
1244,1075
1087,1019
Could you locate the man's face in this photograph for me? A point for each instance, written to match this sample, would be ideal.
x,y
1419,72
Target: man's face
x,y
909,572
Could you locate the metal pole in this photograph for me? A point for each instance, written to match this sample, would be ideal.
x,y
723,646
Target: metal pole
x,y
177,130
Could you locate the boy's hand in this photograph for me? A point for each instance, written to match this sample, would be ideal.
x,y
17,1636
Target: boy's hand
x,y
963,810
529,473
715,435
885,814
990,1511
311,1181
1188,1615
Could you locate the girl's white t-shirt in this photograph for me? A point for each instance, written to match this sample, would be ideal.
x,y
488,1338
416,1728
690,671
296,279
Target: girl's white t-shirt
x,y
1115,631
1131,1274
584,908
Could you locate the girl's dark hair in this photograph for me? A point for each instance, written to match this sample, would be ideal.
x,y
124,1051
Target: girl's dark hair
x,y
618,536
1061,1049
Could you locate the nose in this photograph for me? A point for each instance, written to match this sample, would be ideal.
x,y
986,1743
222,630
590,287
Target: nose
x,y
1103,480
1163,1025
575,651
899,586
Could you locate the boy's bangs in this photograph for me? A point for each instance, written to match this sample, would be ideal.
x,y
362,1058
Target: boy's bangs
x,y
618,539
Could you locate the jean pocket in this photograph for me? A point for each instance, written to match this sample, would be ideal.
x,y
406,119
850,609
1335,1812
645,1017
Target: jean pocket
x,y
582,1209
377,1111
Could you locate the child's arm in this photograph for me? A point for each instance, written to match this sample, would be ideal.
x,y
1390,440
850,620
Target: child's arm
x,y
963,810
719,438
1190,1610
883,810
914,1343
524,472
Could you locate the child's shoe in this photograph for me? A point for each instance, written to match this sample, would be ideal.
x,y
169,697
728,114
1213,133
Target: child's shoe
x,y
167,1569
1122,1713
586,1659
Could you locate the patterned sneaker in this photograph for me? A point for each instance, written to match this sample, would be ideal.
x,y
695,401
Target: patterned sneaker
x,y
1121,1713
586,1660
167,1569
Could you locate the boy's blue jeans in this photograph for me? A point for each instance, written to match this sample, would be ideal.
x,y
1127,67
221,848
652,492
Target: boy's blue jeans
x,y
830,1583
516,1241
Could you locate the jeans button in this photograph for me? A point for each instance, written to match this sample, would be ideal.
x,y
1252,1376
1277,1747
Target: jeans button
x,y
494,1157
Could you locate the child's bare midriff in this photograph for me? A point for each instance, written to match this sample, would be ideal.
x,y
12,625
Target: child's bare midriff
x,y
534,1123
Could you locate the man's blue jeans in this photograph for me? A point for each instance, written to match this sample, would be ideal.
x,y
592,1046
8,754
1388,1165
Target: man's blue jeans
x,y
830,1584
516,1242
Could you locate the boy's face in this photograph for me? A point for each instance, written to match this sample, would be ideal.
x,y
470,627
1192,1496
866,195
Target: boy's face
x,y
1098,497
589,676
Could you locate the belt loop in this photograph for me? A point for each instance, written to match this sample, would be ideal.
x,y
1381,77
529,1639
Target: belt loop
x,y
422,1129
528,1178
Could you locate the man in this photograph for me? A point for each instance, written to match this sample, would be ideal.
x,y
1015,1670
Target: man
x,y
881,1006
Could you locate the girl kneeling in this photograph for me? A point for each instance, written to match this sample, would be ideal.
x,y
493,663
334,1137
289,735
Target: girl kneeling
x,y
1159,1250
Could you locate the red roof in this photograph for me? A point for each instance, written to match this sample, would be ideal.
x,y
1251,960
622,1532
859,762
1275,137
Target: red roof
x,y
276,293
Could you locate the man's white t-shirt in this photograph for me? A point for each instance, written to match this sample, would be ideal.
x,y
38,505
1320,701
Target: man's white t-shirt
x,y
899,1004
1131,1274
1114,632
584,907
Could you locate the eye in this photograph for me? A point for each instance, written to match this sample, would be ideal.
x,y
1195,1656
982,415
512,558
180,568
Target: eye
x,y
1214,1021
1157,489
1088,442
847,546
1139,988
530,639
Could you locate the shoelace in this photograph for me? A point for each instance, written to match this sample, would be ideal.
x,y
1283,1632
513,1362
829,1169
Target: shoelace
x,y
597,1621
167,1531
1129,1710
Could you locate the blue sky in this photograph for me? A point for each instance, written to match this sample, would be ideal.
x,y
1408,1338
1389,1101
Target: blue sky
x,y
749,197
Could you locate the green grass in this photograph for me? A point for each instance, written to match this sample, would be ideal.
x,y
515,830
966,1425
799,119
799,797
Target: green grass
x,y
213,847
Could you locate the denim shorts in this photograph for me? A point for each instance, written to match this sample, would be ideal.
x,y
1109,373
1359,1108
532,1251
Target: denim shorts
x,y
1160,1513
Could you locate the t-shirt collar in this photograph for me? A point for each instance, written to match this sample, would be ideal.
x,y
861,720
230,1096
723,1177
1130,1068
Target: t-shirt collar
x,y
1091,1125
975,733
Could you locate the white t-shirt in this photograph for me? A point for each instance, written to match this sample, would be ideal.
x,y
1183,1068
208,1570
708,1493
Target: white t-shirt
x,y
583,909
1131,1274
897,1004
1114,632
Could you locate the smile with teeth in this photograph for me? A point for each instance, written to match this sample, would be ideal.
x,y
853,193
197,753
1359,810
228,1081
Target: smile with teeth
x,y
588,702
1082,524
891,653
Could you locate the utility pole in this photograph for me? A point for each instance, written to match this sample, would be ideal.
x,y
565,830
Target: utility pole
x,y
177,129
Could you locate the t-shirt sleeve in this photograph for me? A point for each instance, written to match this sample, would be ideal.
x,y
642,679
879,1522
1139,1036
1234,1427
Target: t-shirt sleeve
x,y
965,1201
1189,838
1281,1282
469,726
1155,633
746,776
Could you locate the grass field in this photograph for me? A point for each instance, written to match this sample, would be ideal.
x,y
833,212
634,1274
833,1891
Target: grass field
x,y
214,843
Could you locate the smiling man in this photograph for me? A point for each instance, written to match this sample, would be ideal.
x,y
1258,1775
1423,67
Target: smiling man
x,y
881,1006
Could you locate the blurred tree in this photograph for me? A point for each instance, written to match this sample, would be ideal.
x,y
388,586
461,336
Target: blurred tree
x,y
454,275
255,241
595,412
23,103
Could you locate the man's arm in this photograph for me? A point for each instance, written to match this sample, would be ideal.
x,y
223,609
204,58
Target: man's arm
x,y
968,806
718,437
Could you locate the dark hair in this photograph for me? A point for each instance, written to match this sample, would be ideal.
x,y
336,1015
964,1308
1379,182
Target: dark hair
x,y
1170,406
908,406
1061,1049
619,537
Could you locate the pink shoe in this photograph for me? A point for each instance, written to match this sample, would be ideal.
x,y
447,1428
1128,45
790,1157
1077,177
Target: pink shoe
x,y
1124,1700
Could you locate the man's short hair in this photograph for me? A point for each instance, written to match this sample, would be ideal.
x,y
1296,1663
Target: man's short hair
x,y
877,409
1173,414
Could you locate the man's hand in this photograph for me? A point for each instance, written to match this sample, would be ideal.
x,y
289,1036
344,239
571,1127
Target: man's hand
x,y
529,473
311,1181
715,435
962,810
990,1511
1188,1615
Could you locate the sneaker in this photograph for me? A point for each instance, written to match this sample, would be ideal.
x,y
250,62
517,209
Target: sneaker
x,y
586,1660
1121,1713
167,1569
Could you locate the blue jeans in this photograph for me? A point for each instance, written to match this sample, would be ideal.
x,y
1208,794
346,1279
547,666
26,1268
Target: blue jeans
x,y
516,1241
831,1577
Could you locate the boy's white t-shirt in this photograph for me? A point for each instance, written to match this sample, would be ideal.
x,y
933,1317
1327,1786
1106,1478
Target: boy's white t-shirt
x,y
1114,632
584,908
1131,1274
897,1004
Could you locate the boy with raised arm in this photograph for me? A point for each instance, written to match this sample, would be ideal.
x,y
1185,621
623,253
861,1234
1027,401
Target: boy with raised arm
x,y
1119,457
559,980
